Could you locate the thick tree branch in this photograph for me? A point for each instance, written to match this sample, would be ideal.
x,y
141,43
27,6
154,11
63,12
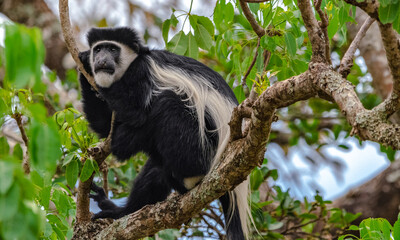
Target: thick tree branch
x,y
390,40
368,124
391,43
239,158
324,27
347,61
370,7
243,153
315,33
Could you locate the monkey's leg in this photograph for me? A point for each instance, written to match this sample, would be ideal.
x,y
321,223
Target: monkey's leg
x,y
149,187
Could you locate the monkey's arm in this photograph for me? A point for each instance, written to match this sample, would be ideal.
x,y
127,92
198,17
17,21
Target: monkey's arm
x,y
97,111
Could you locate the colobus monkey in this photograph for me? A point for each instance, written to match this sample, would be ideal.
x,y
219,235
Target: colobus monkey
x,y
173,108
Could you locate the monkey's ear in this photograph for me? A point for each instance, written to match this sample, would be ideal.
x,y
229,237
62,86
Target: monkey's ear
x,y
85,57
140,49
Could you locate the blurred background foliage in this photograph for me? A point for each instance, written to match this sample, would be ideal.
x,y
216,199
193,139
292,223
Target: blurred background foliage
x,y
43,129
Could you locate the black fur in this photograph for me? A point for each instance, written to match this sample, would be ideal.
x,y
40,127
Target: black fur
x,y
164,128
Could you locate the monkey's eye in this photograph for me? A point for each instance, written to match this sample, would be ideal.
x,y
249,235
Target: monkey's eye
x,y
97,49
113,49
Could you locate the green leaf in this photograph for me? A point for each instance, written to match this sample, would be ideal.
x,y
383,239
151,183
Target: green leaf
x,y
37,179
174,20
193,49
384,3
6,175
290,44
4,147
60,117
38,112
18,152
169,234
239,93
389,13
179,43
72,173
229,12
354,228
344,146
45,194
24,56
203,37
87,170
69,117
165,29
274,174
206,23
396,230
44,147
256,179
268,43
9,203
396,24
254,7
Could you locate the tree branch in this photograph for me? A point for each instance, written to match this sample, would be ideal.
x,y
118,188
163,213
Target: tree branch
x,y
390,40
251,65
70,40
100,152
314,31
260,31
367,124
347,61
25,161
324,27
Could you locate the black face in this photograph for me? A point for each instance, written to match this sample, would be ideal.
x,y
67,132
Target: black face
x,y
106,56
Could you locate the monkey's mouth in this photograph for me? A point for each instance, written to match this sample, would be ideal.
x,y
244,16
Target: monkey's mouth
x,y
105,70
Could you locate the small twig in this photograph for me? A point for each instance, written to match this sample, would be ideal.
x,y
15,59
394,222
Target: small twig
x,y
347,60
324,27
260,31
220,235
104,170
215,217
251,66
25,161
299,226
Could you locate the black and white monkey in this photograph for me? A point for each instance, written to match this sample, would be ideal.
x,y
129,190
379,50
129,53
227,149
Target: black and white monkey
x,y
173,108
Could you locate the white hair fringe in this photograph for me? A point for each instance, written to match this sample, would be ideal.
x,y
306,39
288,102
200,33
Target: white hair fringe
x,y
201,96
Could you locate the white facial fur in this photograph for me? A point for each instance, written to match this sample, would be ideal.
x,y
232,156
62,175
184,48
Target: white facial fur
x,y
105,80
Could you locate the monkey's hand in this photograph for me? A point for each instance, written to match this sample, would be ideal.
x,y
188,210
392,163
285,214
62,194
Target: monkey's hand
x,y
108,208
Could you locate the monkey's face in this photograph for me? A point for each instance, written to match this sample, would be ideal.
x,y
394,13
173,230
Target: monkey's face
x,y
109,61
105,58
